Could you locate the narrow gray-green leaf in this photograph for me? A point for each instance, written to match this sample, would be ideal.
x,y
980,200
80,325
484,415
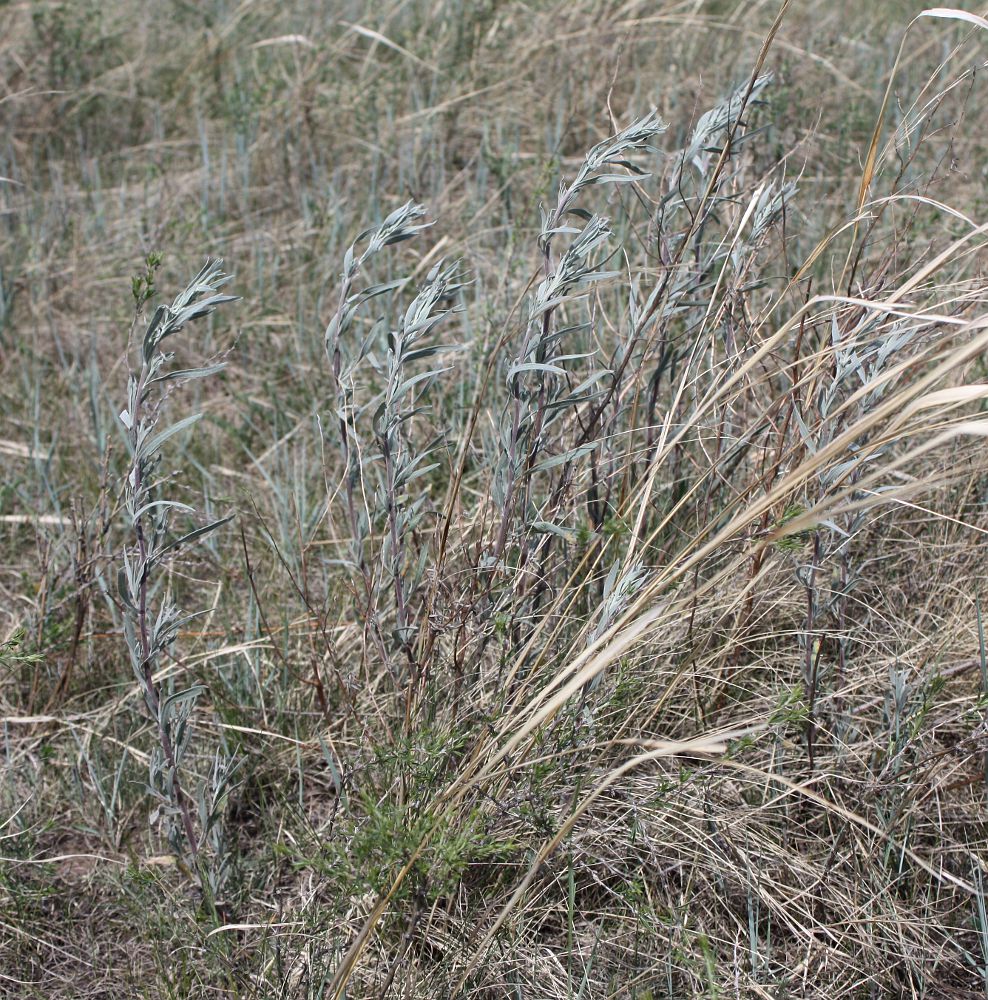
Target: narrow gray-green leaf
x,y
192,536
189,373
152,446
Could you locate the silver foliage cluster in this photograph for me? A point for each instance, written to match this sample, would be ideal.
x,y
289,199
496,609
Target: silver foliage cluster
x,y
402,224
404,389
395,352
621,584
537,376
862,358
714,125
151,619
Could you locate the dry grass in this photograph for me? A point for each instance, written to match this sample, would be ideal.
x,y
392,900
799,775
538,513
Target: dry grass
x,y
665,675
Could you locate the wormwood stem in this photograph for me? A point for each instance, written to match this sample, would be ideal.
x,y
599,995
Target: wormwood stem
x,y
572,274
149,632
152,695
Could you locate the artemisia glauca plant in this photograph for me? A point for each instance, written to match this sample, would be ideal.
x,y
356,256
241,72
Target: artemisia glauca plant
x,y
151,619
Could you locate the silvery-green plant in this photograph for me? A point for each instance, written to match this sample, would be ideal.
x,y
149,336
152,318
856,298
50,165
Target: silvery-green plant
x,y
699,184
536,377
684,292
562,407
718,123
151,619
375,433
404,389
402,224
620,586
861,358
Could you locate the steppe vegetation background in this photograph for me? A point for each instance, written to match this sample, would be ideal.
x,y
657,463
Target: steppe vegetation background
x,y
593,462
